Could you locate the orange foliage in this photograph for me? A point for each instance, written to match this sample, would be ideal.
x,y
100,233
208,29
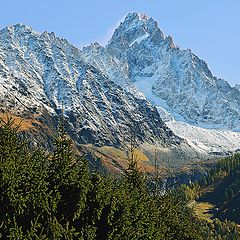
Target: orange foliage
x,y
24,123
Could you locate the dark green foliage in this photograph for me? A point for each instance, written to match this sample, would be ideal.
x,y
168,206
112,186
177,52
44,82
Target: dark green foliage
x,y
224,168
219,230
53,196
41,194
224,178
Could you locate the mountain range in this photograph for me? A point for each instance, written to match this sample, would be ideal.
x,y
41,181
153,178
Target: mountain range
x,y
139,85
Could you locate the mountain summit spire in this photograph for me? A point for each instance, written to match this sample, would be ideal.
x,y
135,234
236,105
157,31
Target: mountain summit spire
x,y
134,29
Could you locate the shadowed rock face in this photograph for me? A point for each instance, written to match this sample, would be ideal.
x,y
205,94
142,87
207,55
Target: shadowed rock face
x,y
41,73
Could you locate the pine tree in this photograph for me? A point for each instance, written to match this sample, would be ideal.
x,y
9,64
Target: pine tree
x,y
24,197
69,180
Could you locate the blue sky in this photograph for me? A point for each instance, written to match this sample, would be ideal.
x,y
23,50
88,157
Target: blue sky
x,y
211,28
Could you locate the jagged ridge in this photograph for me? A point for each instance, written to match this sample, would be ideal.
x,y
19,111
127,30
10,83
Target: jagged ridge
x,y
43,73
139,54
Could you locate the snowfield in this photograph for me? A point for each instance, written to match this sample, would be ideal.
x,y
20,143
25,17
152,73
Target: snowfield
x,y
211,141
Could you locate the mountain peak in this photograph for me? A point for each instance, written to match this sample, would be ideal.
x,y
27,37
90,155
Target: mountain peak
x,y
134,16
133,20
19,27
134,29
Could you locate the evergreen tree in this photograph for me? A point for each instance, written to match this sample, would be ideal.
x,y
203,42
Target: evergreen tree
x,y
54,196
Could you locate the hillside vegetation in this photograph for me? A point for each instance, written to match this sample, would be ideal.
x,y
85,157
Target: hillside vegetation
x,y
53,195
221,187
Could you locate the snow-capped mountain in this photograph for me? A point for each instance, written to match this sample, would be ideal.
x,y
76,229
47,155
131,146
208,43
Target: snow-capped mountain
x,y
42,73
134,84
181,84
